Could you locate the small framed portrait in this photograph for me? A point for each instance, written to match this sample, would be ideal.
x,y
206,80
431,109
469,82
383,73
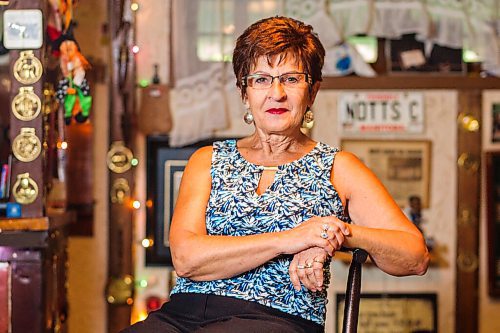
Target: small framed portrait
x,y
491,120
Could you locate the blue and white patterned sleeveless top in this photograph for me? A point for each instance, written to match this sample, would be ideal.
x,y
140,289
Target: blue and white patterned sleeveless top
x,y
301,189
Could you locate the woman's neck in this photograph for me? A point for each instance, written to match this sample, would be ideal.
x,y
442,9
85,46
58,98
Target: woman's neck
x,y
272,150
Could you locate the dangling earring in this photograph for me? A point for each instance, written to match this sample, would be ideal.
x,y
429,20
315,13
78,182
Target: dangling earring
x,y
308,120
248,117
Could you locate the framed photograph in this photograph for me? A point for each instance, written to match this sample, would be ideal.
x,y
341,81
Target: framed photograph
x,y
393,312
493,221
402,166
165,166
491,121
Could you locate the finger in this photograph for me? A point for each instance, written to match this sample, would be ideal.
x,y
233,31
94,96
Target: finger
x,y
318,264
303,277
334,243
329,248
311,279
311,282
292,271
339,240
343,226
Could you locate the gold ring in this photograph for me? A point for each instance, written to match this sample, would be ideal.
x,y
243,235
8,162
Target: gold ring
x,y
300,267
308,265
316,260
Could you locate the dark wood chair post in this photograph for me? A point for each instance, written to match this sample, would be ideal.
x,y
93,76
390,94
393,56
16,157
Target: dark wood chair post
x,y
353,290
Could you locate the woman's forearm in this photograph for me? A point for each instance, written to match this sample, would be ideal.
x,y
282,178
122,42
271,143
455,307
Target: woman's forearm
x,y
204,257
398,253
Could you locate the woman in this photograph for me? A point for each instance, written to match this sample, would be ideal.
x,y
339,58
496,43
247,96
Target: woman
x,y
257,220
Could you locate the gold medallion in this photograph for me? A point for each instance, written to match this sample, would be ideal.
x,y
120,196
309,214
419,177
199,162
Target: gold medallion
x,y
26,146
119,157
25,189
26,105
27,68
120,190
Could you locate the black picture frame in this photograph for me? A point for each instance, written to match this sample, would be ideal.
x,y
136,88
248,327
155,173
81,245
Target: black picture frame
x,y
441,59
382,314
493,221
164,167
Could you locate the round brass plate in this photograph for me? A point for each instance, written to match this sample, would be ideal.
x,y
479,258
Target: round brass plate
x,y
26,146
119,157
26,105
27,68
25,189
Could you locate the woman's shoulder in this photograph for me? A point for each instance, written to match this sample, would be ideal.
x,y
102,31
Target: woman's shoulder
x,y
201,157
206,154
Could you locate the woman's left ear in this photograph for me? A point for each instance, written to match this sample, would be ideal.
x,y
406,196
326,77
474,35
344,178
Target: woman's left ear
x,y
314,91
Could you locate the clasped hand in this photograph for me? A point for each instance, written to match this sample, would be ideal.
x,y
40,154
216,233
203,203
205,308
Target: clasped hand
x,y
322,236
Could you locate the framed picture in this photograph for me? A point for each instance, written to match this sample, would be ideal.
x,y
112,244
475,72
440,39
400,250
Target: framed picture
x,y
402,166
393,312
491,120
493,221
408,55
165,166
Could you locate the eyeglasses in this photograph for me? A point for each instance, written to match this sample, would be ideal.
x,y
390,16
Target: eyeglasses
x,y
265,81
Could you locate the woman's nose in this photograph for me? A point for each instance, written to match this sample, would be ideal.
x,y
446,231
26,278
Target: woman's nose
x,y
277,91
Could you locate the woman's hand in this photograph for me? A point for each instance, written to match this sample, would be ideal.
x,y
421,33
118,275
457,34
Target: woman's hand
x,y
327,232
306,268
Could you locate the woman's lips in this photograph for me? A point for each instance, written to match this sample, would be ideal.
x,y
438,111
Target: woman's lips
x,y
277,111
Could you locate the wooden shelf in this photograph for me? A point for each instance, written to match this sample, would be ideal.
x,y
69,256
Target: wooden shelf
x,y
25,224
37,223
423,81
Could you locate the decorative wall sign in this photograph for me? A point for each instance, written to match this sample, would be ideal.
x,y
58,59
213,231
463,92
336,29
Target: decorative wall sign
x,y
402,166
27,68
26,146
26,105
381,112
25,189
23,29
393,312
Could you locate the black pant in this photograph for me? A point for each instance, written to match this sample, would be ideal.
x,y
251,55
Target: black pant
x,y
191,312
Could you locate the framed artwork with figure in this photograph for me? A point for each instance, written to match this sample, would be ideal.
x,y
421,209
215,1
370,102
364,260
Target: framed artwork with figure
x,y
165,166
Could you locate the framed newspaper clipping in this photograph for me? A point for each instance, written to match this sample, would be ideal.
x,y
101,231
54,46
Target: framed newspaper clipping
x,y
402,166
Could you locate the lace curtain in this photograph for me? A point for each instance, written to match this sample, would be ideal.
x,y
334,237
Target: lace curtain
x,y
205,101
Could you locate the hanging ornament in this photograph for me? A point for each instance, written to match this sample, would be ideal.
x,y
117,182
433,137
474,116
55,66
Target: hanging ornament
x,y
73,91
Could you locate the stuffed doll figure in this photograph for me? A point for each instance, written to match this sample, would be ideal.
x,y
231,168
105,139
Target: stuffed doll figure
x,y
73,91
